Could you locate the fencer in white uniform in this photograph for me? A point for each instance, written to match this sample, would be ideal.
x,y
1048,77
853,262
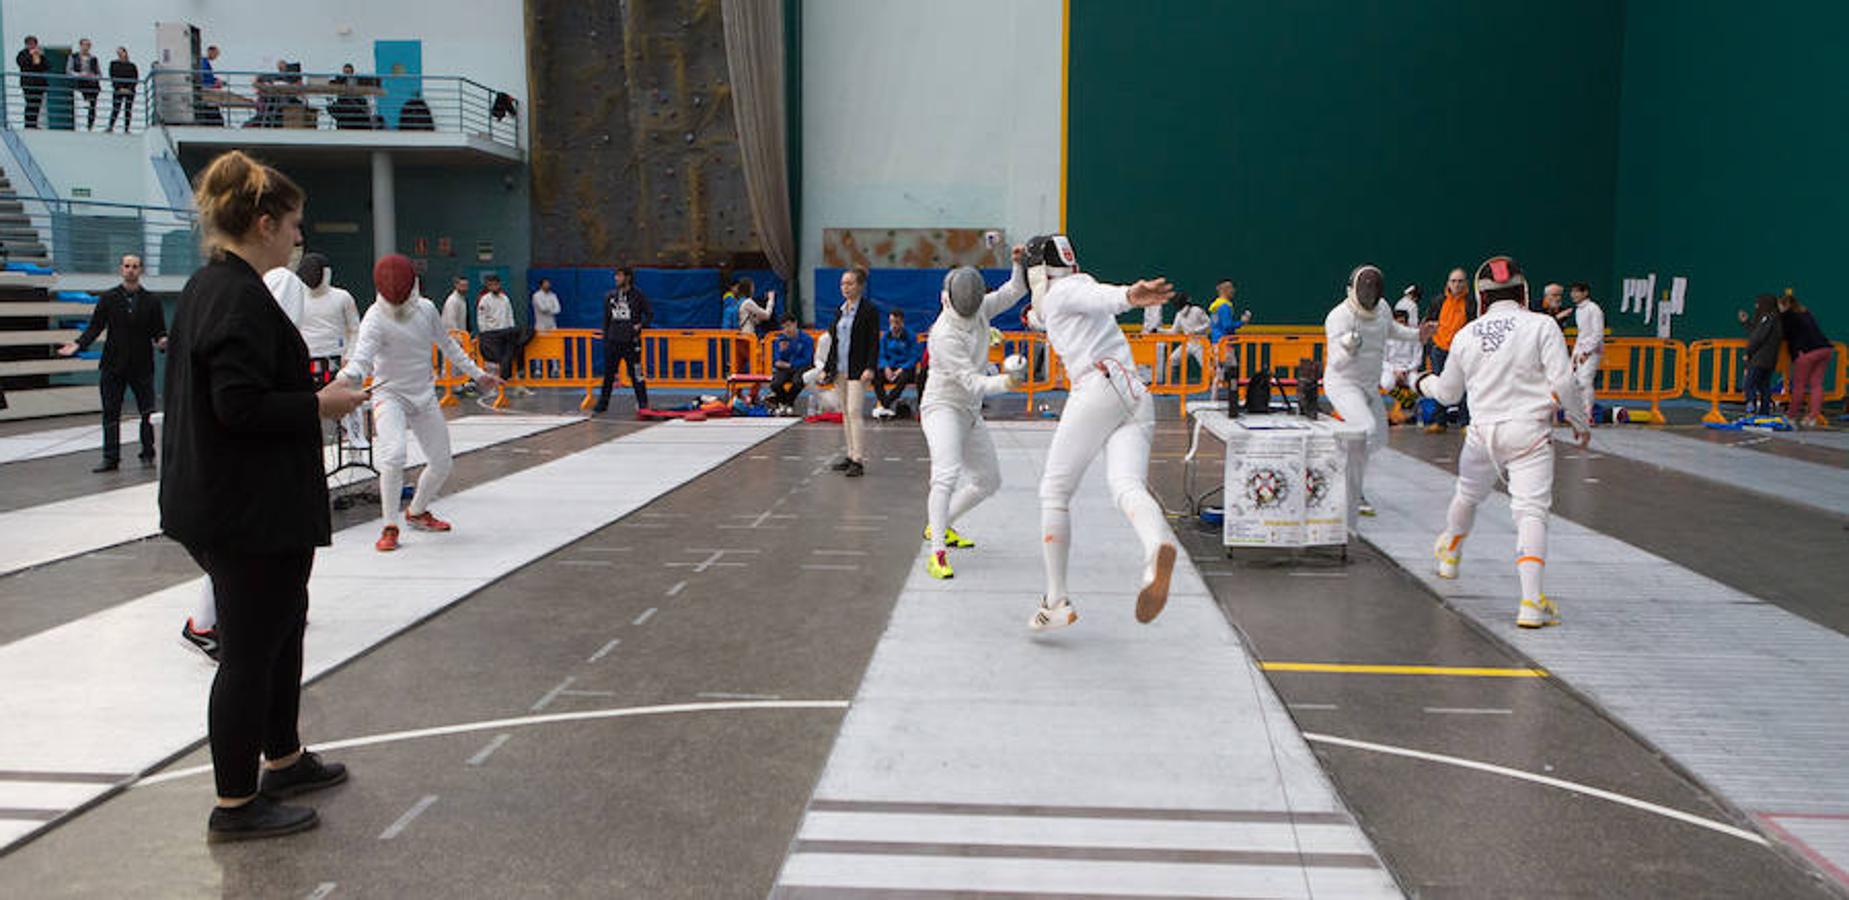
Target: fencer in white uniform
x,y
330,323
1109,409
964,468
1514,365
1588,345
1357,331
394,344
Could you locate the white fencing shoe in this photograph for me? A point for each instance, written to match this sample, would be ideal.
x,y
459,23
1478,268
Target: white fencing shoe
x,y
1047,618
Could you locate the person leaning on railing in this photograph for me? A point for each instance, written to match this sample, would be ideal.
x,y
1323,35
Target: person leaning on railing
x,y
123,76
87,76
32,81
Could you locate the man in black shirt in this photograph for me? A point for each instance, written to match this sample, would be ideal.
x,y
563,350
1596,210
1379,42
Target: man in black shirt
x,y
136,327
625,313
33,65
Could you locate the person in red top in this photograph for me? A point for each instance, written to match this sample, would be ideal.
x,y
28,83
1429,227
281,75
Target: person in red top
x,y
1453,314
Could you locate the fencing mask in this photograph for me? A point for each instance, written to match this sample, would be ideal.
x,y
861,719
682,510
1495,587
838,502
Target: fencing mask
x,y
1048,256
394,278
1365,286
963,290
312,270
1499,278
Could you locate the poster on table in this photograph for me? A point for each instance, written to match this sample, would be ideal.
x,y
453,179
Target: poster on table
x,y
1264,488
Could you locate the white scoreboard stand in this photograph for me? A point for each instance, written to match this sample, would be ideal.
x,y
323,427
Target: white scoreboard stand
x,y
1288,482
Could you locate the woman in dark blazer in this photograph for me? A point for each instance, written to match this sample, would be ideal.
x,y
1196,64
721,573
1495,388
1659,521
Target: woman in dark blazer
x,y
243,490
857,343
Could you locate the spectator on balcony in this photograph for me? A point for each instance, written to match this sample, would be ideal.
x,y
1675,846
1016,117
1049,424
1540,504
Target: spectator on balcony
x,y
350,110
898,367
32,81
792,354
546,307
123,76
456,305
136,328
275,103
415,115
206,112
86,76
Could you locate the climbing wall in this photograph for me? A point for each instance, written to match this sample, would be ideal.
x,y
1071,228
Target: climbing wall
x,y
635,154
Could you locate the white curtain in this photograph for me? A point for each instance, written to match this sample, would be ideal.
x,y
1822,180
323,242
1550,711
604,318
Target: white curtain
x,y
754,55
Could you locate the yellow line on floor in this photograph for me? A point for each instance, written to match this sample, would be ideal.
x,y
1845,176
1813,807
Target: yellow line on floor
x,y
1363,669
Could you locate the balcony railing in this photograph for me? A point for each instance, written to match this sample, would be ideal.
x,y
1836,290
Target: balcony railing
x,y
298,100
83,236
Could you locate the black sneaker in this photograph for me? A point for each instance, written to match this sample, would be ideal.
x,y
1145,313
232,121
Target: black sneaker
x,y
308,774
258,819
108,465
147,462
205,642
854,469
600,408
843,465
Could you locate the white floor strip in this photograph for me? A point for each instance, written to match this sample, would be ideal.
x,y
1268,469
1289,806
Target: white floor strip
x,y
1793,480
47,533
74,439
1108,757
113,692
1745,695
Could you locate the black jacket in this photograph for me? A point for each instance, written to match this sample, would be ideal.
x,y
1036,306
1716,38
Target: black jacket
x,y
1762,340
1801,332
864,350
32,74
134,322
626,311
242,441
124,75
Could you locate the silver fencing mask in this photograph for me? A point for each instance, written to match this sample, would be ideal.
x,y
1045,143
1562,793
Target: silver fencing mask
x,y
964,290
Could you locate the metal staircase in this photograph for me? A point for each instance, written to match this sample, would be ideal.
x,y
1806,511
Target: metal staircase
x,y
20,241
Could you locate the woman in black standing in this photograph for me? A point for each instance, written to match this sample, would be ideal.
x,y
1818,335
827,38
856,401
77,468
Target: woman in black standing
x,y
243,490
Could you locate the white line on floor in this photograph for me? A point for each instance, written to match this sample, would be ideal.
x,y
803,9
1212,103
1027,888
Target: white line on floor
x,y
417,809
839,552
553,694
1318,574
605,650
895,459
604,549
586,562
113,556
547,719
640,525
868,518
1592,481
715,695
677,588
1468,711
759,456
798,458
1561,783
645,616
662,515
858,528
322,890
830,568
587,693
481,756
1317,707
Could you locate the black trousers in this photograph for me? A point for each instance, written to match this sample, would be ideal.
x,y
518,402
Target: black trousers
x,y
35,101
889,392
112,385
502,347
89,96
124,106
786,384
629,355
262,601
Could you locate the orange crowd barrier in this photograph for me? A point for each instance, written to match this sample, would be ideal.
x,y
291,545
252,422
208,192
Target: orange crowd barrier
x,y
1717,374
1166,357
1274,350
1649,369
697,357
450,378
563,358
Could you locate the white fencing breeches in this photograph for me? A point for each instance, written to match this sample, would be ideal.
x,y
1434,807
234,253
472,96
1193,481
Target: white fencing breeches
x,y
1521,453
853,395
1585,373
1360,407
961,451
395,420
1120,419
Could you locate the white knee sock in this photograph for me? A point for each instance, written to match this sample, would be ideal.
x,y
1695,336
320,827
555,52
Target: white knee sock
x,y
1531,558
205,614
1056,546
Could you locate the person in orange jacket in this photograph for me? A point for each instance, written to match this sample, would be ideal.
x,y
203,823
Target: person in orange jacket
x,y
1454,312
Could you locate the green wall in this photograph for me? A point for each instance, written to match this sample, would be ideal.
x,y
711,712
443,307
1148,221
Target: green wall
x,y
464,204
1730,162
1281,144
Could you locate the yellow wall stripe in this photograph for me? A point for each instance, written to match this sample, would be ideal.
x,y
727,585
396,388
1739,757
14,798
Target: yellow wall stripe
x,y
1361,669
1065,90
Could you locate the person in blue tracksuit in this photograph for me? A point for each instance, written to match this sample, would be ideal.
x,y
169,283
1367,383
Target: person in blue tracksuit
x,y
898,365
792,354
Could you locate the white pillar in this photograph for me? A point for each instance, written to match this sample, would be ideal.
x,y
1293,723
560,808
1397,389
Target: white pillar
x,y
384,206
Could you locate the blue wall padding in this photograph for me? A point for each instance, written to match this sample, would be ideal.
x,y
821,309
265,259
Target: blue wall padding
x,y
916,291
682,298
